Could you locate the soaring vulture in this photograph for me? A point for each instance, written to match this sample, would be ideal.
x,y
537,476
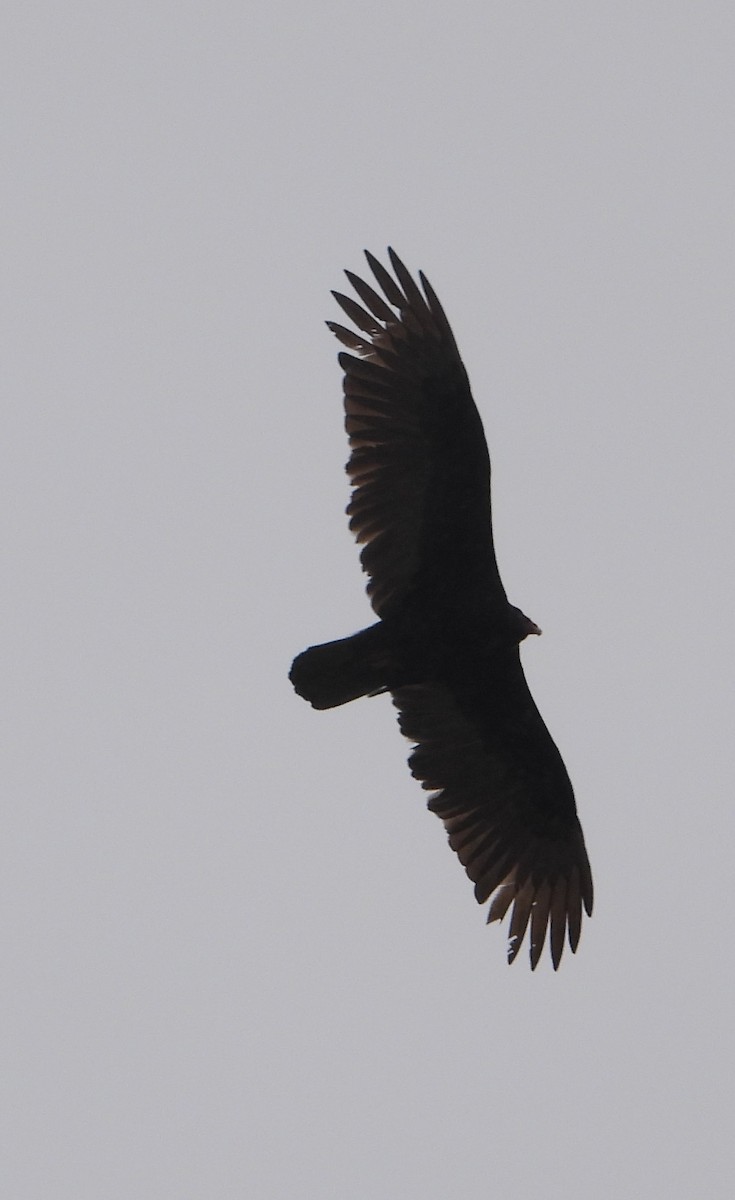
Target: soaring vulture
x,y
446,645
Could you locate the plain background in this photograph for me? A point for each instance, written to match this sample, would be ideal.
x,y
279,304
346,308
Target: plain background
x,y
238,959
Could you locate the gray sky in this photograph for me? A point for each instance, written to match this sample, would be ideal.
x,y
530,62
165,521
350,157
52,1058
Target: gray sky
x,y
238,956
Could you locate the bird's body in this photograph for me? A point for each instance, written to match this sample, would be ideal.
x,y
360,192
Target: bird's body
x,y
446,644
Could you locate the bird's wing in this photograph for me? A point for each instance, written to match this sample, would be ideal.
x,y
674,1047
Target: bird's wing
x,y
419,463
503,793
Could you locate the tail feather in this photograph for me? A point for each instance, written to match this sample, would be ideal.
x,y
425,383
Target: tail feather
x,y
337,672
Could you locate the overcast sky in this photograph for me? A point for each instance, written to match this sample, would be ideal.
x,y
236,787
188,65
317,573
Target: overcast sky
x,y
238,958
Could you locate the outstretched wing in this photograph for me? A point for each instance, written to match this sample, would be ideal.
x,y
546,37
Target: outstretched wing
x,y
503,793
419,463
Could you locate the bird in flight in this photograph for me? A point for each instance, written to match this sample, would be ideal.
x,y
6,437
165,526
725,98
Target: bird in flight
x,y
446,644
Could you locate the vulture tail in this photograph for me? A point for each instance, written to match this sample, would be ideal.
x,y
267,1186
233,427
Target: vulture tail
x,y
337,672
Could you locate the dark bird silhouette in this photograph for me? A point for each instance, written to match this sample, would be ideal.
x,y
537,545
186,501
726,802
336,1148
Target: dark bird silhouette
x,y
446,645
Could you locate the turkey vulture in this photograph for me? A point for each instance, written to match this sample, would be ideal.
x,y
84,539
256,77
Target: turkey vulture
x,y
446,645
